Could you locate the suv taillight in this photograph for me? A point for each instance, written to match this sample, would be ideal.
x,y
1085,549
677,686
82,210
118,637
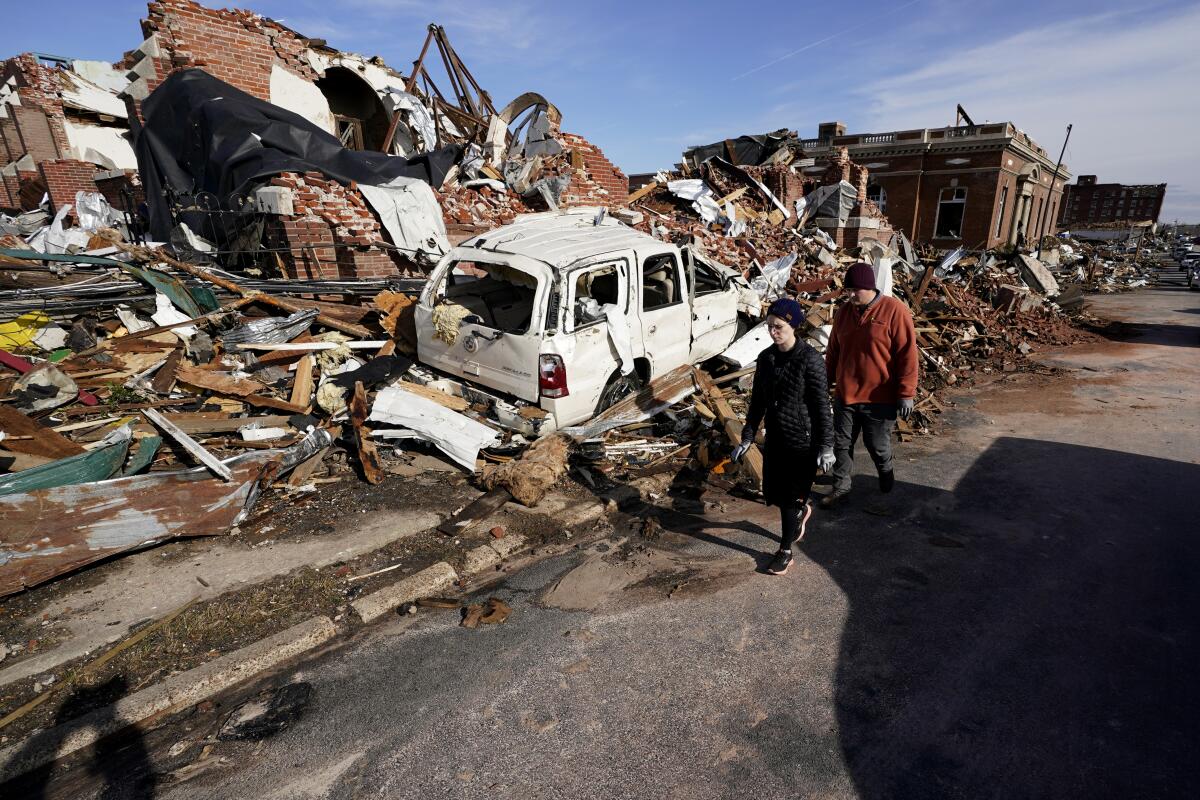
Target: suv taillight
x,y
552,376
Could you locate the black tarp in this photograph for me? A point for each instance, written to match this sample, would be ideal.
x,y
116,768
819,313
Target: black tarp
x,y
748,151
202,135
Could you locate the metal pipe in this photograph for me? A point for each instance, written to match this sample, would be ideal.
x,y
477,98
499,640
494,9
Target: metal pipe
x,y
1053,178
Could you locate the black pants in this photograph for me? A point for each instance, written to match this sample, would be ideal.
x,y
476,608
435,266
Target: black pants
x,y
875,422
792,519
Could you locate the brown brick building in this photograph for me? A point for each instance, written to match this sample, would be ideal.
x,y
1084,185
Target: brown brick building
x,y
1089,203
971,185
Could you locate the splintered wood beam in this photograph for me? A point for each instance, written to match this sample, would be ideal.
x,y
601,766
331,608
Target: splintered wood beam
x,y
368,456
188,443
729,420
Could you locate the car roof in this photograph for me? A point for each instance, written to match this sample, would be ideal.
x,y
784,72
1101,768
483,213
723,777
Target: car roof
x,y
561,238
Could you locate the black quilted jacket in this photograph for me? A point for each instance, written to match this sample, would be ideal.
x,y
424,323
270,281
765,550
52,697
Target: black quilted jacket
x,y
792,392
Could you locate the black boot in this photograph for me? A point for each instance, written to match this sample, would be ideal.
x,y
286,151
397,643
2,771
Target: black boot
x,y
886,481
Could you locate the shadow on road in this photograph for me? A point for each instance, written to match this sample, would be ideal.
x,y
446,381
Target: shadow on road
x,y
120,765
1032,634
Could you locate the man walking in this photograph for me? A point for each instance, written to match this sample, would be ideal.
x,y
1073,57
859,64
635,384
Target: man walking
x,y
872,361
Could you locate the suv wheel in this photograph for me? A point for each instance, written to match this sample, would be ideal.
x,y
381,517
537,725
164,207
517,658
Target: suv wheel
x,y
618,387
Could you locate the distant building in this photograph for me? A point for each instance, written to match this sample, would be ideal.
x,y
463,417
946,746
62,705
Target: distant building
x,y
1091,203
972,185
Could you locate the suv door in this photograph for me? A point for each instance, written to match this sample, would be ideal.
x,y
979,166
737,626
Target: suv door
x,y
587,332
497,344
714,309
666,320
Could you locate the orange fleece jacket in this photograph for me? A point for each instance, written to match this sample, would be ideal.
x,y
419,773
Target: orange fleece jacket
x,y
872,353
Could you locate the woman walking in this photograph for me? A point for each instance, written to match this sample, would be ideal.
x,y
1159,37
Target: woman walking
x,y
791,393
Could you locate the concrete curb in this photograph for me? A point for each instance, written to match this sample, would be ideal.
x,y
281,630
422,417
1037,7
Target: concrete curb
x,y
426,583
175,693
191,687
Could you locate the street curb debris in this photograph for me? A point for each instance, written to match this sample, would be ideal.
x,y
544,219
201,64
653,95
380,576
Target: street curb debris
x,y
426,583
175,693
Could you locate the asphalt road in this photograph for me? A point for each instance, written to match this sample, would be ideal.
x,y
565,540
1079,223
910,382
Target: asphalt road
x,y
1017,619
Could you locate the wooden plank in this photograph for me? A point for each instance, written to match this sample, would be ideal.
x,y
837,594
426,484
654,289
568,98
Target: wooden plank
x,y
925,279
188,443
216,382
642,192
164,379
733,425
450,401
482,508
266,401
733,376
305,469
734,195
368,456
302,386
192,423
41,442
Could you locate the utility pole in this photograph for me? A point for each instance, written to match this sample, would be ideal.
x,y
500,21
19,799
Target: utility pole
x,y
1050,194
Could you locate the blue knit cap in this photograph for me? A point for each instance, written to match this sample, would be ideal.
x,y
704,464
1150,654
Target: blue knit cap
x,y
787,310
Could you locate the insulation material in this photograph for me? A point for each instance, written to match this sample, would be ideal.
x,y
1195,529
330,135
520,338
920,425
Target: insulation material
x,y
529,477
457,436
447,317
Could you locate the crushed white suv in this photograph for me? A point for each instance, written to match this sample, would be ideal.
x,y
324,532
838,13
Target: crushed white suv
x,y
571,310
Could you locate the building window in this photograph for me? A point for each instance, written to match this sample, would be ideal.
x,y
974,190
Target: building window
x,y
951,204
1000,213
878,195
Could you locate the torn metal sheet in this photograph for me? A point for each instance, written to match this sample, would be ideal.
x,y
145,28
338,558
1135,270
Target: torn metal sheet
x,y
457,436
745,350
48,532
619,335
94,465
409,212
269,330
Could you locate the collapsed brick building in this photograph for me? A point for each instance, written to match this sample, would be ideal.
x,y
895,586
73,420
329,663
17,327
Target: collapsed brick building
x,y
62,130
315,227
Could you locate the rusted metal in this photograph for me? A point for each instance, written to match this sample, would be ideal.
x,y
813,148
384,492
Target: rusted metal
x,y
49,532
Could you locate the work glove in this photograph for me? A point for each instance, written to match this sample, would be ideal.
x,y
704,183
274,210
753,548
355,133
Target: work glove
x,y
904,408
739,451
826,459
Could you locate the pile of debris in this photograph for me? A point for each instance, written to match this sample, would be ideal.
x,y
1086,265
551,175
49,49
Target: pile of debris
x,y
1105,266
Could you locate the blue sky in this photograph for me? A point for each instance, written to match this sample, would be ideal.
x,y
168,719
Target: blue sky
x,y
645,80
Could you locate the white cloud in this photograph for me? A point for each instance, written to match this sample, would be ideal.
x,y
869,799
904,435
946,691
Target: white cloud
x,y
1126,82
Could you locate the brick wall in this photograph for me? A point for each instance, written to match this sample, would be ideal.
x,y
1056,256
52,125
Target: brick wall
x,y
598,181
332,234
64,178
9,197
239,47
111,189
39,118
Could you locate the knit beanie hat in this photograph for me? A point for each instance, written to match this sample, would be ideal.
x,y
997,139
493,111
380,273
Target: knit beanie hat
x,y
860,276
787,310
